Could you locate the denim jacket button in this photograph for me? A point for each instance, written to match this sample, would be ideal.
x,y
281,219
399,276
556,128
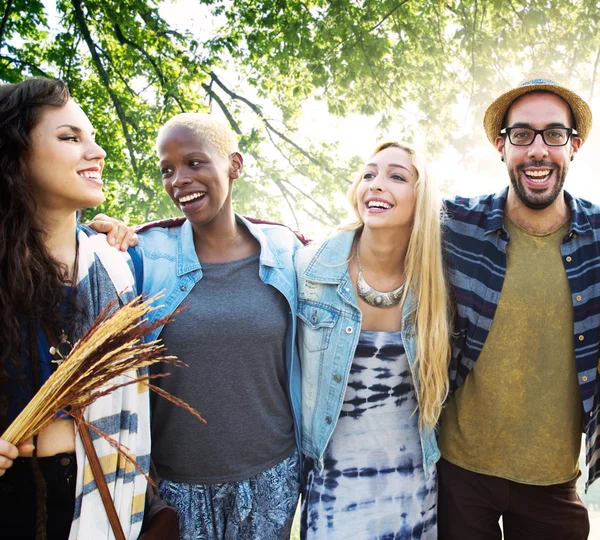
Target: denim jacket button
x,y
328,419
349,329
337,378
182,288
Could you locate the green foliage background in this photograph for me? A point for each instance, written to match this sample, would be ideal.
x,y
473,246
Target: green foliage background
x,y
130,70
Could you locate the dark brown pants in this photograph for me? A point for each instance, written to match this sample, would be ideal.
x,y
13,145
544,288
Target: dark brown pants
x,y
470,505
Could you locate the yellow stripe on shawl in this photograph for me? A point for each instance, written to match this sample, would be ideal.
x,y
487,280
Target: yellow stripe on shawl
x,y
138,503
108,464
127,465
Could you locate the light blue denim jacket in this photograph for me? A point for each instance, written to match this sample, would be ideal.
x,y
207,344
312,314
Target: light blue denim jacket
x,y
170,264
329,323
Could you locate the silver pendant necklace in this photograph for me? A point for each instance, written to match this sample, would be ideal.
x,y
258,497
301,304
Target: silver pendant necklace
x,y
61,349
370,295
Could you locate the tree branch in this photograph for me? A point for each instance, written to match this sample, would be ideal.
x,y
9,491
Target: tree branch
x,y
125,41
34,69
80,18
7,10
232,122
235,126
286,194
387,16
67,73
256,109
315,202
376,78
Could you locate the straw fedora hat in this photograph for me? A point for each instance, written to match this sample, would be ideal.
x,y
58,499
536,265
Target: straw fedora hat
x,y
536,82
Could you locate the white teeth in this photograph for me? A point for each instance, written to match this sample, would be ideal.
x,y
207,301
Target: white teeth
x,y
378,204
538,176
191,197
90,174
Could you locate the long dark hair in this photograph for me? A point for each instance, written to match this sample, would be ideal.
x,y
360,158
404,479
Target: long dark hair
x,y
31,280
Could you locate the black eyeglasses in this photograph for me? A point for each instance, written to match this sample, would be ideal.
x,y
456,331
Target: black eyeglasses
x,y
524,136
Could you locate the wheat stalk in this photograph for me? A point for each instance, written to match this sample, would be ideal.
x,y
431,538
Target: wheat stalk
x,y
111,347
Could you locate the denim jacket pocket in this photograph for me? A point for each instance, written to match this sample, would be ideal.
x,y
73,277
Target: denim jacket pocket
x,y
316,325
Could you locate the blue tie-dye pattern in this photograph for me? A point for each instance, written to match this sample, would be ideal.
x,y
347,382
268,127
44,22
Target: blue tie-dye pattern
x,y
261,507
373,484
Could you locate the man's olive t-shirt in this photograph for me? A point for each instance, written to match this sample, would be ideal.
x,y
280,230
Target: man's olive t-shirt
x,y
519,414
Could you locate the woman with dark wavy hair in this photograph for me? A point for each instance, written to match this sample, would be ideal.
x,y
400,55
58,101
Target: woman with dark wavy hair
x,y
55,277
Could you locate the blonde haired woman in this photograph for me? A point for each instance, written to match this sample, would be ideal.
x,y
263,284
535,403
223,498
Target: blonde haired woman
x,y
373,332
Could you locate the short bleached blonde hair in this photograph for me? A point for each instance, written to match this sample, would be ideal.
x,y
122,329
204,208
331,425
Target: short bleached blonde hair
x,y
209,130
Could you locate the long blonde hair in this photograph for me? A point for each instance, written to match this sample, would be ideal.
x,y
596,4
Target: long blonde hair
x,y
426,280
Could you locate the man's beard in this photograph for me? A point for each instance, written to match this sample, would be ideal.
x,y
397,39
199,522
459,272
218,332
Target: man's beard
x,y
540,201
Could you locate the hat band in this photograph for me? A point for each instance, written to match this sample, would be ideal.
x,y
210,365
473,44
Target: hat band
x,y
538,81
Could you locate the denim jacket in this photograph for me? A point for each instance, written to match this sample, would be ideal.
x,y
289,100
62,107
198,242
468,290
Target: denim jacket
x,y
170,265
329,323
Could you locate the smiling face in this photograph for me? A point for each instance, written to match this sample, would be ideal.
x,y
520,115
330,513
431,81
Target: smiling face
x,y
65,163
197,178
537,172
385,195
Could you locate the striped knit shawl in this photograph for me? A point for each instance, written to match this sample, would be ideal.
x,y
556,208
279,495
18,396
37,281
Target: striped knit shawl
x,y
104,274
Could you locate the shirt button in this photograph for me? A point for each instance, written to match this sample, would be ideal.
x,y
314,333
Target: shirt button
x,y
574,235
328,419
578,298
584,378
568,259
591,414
337,378
182,288
349,329
581,338
499,232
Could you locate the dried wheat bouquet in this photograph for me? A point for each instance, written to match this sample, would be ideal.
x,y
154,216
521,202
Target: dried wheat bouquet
x,y
112,346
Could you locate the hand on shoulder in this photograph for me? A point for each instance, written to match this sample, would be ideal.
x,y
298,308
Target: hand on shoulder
x,y
117,233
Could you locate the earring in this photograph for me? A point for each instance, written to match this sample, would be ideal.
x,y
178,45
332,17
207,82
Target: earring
x,y
572,158
501,158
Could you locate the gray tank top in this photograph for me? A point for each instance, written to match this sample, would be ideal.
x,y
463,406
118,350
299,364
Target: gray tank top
x,y
232,335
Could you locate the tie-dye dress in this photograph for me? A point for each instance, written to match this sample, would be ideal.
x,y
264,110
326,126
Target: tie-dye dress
x,y
373,484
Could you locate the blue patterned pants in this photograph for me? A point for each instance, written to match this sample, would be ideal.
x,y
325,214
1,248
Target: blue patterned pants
x,y
261,507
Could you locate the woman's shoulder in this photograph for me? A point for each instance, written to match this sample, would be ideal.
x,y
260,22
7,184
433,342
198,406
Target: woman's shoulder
x,y
306,253
279,234
159,238
330,252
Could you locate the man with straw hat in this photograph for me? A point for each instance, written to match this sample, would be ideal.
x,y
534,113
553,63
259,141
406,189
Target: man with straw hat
x,y
525,267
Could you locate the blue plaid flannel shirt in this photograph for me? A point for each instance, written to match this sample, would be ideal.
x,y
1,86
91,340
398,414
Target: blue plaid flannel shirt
x,y
475,241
